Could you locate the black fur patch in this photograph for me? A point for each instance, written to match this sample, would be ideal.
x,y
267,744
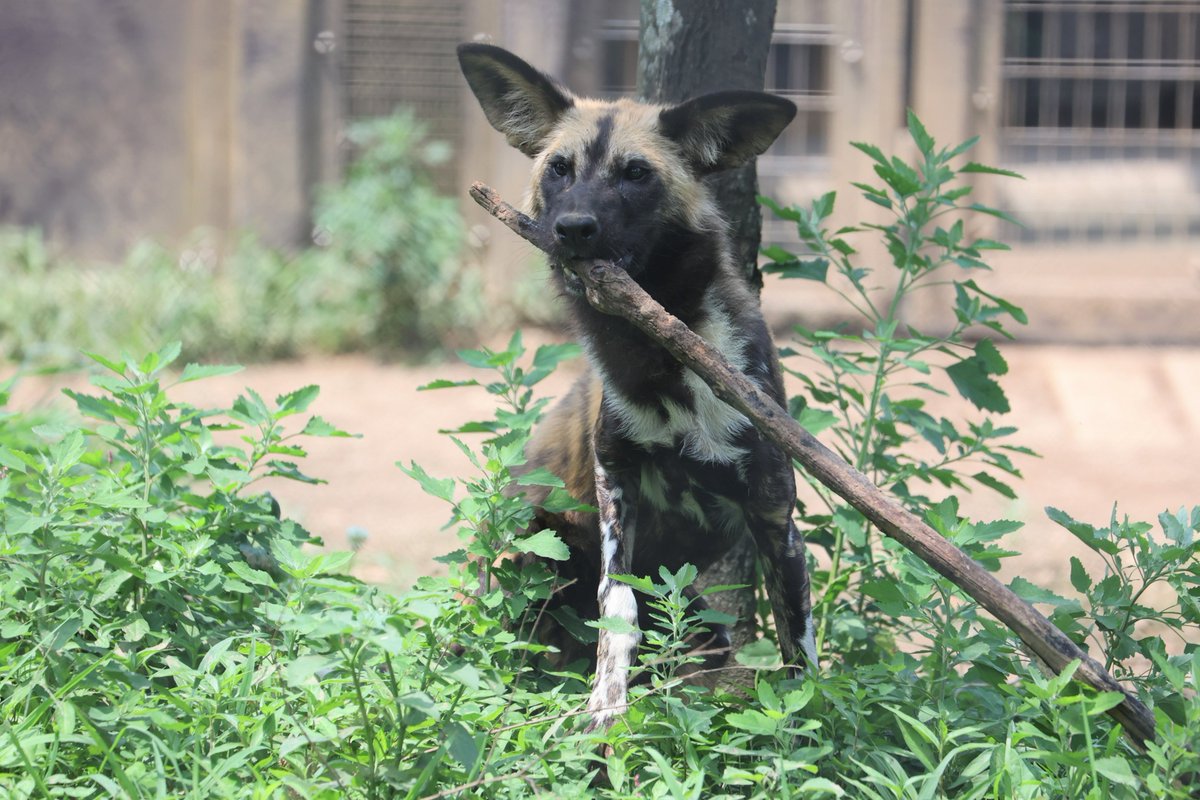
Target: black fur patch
x,y
596,149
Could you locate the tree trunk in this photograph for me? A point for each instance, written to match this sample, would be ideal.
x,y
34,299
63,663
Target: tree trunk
x,y
688,48
692,47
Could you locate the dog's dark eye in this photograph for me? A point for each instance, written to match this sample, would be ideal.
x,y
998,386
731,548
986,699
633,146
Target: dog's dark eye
x,y
636,172
560,167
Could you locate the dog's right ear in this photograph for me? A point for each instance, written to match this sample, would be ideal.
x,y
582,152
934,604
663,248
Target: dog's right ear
x,y
520,102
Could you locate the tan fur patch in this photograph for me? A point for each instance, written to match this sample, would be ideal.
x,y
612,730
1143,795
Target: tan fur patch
x,y
634,135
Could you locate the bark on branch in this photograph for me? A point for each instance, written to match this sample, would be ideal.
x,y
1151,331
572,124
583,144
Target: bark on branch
x,y
612,291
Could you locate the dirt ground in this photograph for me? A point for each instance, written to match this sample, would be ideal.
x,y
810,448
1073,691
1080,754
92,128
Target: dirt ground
x,y
1111,424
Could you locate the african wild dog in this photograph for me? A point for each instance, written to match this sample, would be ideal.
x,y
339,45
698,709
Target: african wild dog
x,y
677,475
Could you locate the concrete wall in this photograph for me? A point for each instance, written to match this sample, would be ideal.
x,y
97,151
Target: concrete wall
x,y
134,118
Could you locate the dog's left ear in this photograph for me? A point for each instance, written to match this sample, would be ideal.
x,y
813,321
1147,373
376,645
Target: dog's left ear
x,y
726,129
520,102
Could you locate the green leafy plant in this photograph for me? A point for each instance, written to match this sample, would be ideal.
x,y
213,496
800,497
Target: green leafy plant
x,y
399,241
166,630
922,696
867,383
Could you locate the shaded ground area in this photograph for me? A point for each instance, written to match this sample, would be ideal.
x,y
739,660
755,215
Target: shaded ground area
x,y
1111,424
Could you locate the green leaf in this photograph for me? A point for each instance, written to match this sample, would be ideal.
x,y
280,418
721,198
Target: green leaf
x,y
16,459
614,625
777,253
822,207
1104,701
166,356
303,669
1014,311
759,654
1117,770
54,430
885,591
319,427
783,212
900,177
972,378
919,135
1032,593
871,150
988,244
540,477
250,408
814,786
959,149
560,500
63,633
711,615
812,269
297,401
1083,532
548,356
101,408
462,746
464,673
195,372
544,543
996,485
985,349
753,721
1079,576
842,246
995,212
876,196
441,488
816,420
640,582
118,367
251,575
446,384
984,169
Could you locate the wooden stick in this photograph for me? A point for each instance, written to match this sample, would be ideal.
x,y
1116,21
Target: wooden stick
x,y
610,290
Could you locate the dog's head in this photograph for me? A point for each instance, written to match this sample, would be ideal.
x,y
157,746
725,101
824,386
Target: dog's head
x,y
610,177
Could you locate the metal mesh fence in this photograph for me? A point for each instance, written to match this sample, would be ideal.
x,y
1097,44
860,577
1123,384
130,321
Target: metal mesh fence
x,y
1102,113
403,53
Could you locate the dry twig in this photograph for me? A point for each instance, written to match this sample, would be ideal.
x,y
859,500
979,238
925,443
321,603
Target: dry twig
x,y
612,291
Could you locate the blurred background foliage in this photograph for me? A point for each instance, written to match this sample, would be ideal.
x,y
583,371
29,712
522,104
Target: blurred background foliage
x,y
387,271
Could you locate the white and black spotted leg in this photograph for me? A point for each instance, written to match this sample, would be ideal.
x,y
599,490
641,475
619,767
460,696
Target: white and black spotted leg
x,y
615,650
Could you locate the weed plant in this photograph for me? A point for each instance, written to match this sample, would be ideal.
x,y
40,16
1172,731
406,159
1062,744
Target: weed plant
x,y
166,631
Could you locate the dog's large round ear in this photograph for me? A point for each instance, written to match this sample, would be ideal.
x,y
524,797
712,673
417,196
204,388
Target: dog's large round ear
x,y
726,129
520,102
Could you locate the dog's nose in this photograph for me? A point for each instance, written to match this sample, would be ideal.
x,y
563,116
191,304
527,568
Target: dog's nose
x,y
578,232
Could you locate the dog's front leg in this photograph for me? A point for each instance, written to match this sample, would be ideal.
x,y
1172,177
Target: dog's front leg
x,y
616,648
783,557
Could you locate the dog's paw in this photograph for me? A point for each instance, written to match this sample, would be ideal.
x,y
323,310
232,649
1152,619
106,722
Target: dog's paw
x,y
599,721
602,712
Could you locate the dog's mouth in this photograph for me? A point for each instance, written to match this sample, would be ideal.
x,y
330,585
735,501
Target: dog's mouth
x,y
574,285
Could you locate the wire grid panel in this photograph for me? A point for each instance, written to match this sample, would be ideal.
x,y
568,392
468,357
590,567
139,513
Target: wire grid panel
x,y
1102,114
403,54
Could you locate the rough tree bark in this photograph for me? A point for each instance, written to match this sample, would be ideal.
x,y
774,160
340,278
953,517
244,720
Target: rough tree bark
x,y
688,48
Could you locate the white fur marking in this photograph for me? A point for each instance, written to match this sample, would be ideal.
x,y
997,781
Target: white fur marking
x,y
706,429
610,693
